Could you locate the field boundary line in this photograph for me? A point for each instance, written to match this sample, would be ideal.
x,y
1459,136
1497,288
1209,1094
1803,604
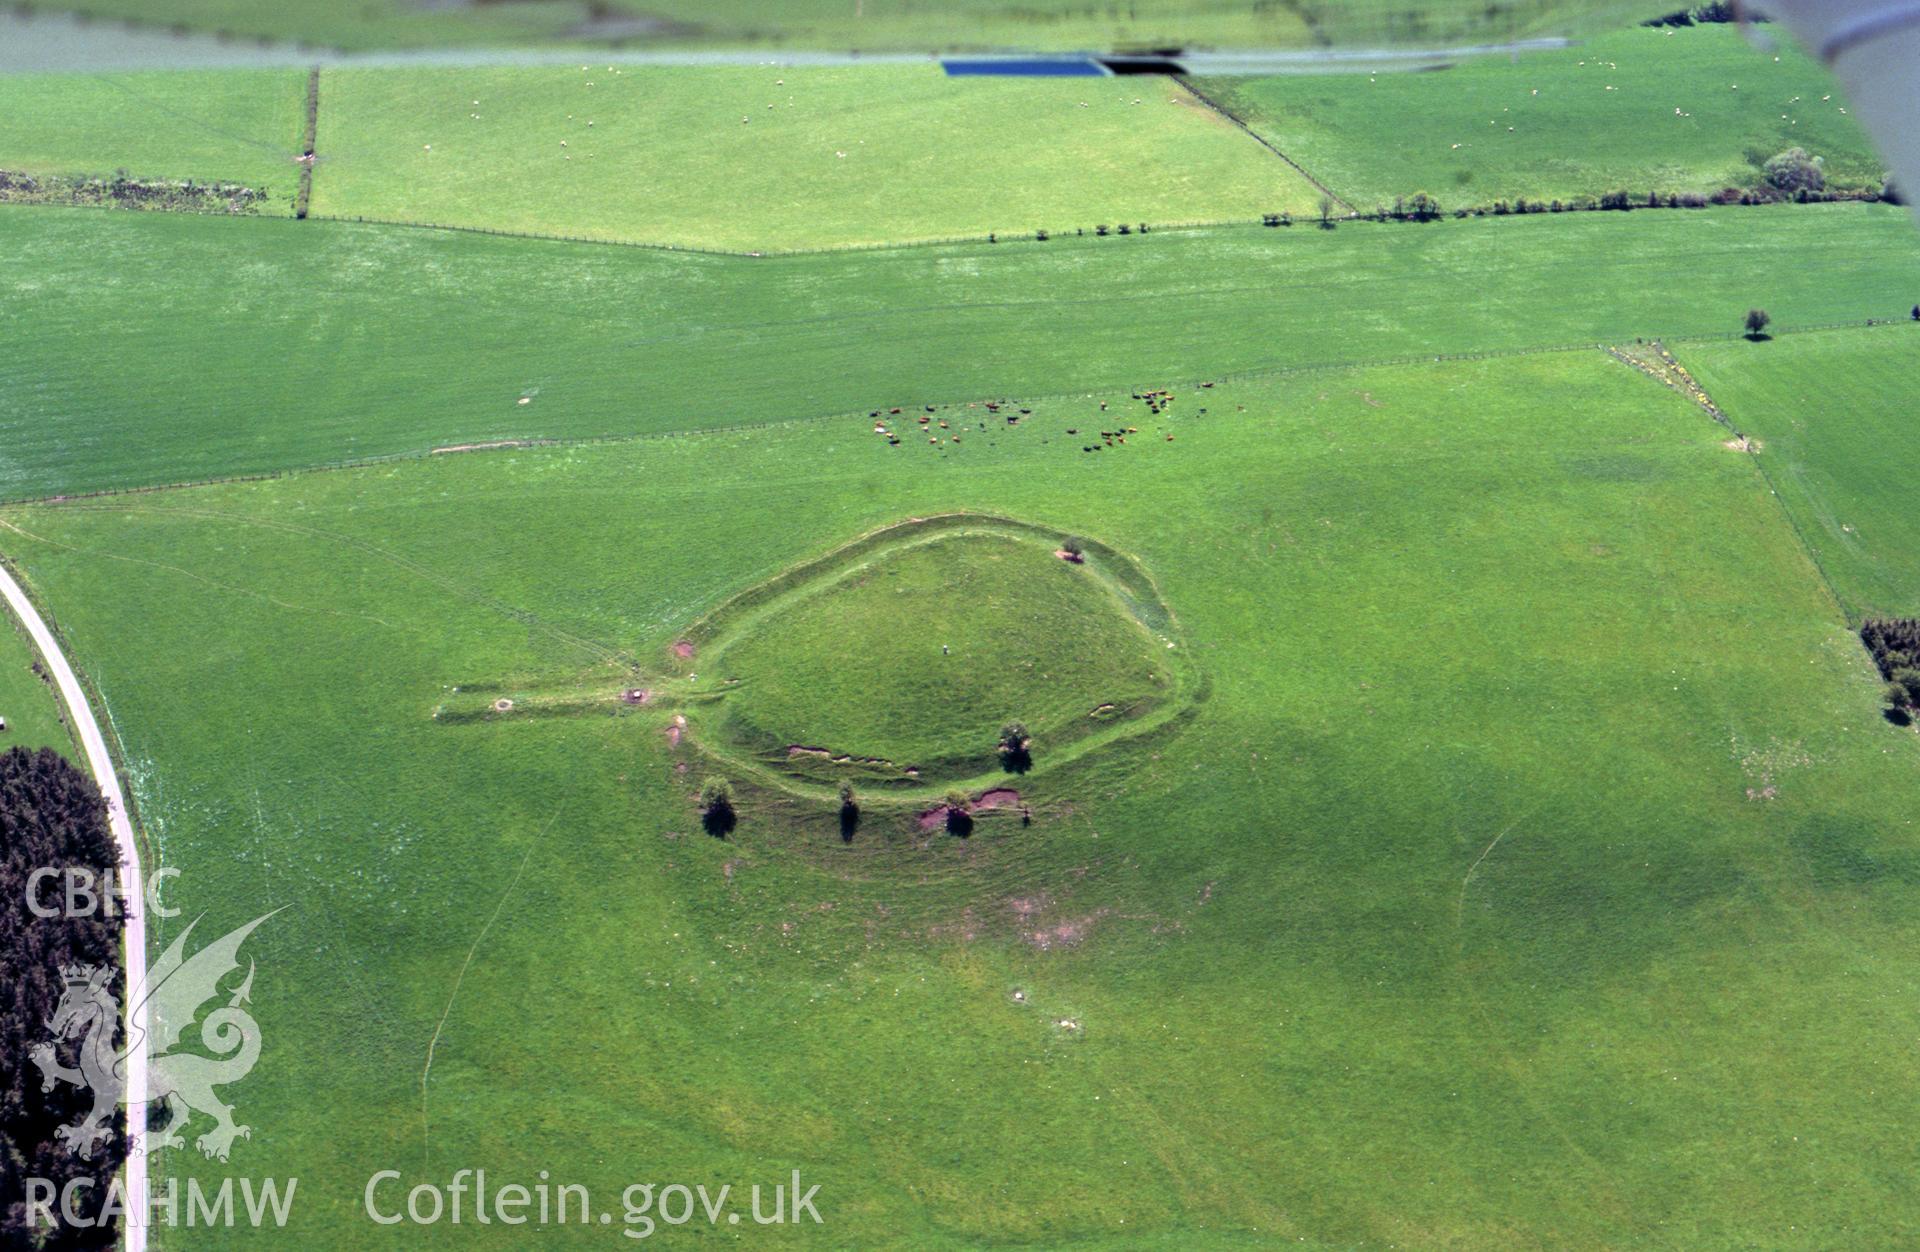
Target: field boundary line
x,y
304,196
1766,480
993,238
1186,84
510,443
1812,554
1666,370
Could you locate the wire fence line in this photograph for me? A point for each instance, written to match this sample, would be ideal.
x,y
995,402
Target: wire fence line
x,y
1043,235
304,196
1284,220
1208,101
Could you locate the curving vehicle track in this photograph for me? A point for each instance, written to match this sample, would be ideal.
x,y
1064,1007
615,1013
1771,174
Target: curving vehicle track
x,y
134,915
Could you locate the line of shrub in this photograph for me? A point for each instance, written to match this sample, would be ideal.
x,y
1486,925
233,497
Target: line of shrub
x,y
1421,207
125,192
1704,15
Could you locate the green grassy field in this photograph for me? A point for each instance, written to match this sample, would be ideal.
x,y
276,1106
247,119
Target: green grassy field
x,y
1461,814
1831,411
887,24
211,126
313,342
28,704
778,158
1673,111
1463,892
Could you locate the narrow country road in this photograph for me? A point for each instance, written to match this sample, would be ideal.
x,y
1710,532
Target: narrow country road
x,y
134,909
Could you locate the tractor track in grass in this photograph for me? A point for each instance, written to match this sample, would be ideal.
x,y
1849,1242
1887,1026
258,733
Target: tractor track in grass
x,y
93,745
1519,1077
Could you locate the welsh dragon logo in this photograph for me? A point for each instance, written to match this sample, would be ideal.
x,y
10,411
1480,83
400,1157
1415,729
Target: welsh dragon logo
x,y
177,987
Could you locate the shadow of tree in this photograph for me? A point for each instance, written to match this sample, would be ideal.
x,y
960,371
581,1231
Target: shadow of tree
x,y
719,820
849,821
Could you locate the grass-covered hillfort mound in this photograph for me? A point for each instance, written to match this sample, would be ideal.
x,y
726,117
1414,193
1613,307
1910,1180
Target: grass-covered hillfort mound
x,y
896,660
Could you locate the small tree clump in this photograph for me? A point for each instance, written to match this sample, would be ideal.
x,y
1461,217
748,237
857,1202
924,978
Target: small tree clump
x,y
716,806
1016,747
1073,547
1894,644
1908,680
1757,322
1794,171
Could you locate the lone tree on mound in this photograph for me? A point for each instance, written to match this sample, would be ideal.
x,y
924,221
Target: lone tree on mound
x,y
716,806
1074,547
1016,747
959,818
1757,322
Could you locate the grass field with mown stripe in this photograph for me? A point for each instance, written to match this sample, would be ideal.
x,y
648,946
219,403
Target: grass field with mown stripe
x,y
236,126
1511,885
777,158
242,345
1832,411
1673,111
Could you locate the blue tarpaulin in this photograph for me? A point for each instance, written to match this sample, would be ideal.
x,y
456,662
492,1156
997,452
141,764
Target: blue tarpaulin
x,y
1024,67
